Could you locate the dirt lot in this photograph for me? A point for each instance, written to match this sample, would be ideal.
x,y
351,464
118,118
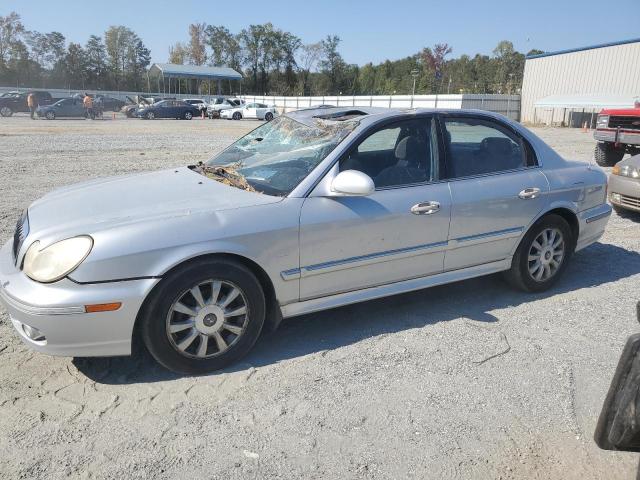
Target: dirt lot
x,y
470,380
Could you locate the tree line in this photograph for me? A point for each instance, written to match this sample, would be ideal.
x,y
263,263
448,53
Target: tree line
x,y
272,61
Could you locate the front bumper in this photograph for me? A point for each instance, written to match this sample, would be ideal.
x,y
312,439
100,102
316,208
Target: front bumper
x,y
624,192
57,311
612,135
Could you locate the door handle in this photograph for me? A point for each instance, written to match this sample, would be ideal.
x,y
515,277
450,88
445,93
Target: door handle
x,y
527,193
425,208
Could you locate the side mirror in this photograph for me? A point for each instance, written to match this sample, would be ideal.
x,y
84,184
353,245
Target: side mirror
x,y
353,183
618,426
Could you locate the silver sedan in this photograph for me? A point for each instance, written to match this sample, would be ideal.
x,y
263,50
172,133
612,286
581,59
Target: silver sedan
x,y
314,210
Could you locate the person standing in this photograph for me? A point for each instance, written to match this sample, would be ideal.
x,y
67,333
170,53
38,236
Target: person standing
x,y
31,103
88,106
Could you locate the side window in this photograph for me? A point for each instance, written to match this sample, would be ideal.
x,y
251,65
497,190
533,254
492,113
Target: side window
x,y
402,153
477,146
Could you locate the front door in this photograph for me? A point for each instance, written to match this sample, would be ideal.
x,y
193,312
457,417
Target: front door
x,y
250,111
496,189
397,233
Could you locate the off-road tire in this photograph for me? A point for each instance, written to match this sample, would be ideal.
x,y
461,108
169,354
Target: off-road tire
x,y
153,323
607,155
518,275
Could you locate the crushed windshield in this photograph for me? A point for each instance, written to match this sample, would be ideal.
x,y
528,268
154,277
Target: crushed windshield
x,y
275,157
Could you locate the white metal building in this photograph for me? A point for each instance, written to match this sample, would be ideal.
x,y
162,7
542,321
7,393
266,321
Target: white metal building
x,y
570,87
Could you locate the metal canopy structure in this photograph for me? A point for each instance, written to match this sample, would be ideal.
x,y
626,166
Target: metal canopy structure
x,y
170,71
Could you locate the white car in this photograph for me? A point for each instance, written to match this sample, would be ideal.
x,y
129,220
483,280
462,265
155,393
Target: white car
x,y
250,110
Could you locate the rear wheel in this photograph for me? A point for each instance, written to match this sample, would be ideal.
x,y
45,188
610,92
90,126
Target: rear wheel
x,y
237,116
204,316
6,111
607,155
50,115
542,255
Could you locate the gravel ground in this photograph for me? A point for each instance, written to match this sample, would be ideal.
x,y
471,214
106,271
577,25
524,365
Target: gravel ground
x,y
470,380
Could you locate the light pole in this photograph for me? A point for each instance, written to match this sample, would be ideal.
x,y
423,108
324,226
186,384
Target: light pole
x,y
414,74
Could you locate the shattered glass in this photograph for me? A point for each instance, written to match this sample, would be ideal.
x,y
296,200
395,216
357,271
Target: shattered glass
x,y
275,157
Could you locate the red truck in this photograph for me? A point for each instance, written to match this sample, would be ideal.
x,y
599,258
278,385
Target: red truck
x,y
617,132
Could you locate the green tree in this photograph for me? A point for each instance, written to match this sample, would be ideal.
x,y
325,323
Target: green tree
x,y
96,62
75,66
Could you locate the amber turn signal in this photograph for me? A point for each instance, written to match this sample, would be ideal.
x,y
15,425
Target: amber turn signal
x,y
102,307
615,170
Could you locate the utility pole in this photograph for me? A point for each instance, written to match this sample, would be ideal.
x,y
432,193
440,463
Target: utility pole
x,y
414,74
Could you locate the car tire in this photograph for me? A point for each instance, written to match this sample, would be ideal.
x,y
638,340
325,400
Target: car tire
x,y
6,111
50,115
607,155
237,116
150,116
538,248
268,116
175,338
188,115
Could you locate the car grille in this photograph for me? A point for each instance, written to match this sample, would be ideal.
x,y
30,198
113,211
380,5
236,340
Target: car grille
x,y
22,230
628,123
627,201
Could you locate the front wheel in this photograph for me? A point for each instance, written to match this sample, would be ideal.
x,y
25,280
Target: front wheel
x,y
542,256
607,155
6,111
237,116
188,115
204,316
50,115
150,116
268,116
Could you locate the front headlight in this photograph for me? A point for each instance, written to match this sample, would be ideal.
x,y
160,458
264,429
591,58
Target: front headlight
x,y
626,171
603,121
57,260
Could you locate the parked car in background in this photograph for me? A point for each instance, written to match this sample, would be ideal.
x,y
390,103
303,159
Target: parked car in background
x,y
199,103
250,110
624,184
617,132
168,109
110,104
67,107
12,102
222,103
140,101
315,210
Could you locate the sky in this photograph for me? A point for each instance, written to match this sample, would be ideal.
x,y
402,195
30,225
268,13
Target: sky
x,y
371,31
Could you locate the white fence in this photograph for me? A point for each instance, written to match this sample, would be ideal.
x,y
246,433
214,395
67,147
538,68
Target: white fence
x,y
508,105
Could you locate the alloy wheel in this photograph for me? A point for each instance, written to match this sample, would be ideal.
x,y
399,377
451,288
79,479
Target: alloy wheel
x,y
208,319
546,254
188,116
5,112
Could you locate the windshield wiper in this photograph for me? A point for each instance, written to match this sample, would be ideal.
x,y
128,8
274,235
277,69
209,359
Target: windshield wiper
x,y
227,174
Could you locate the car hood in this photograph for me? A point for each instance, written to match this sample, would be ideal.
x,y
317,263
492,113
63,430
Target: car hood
x,y
111,202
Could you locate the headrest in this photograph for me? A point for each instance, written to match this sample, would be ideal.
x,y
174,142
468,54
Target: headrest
x,y
406,148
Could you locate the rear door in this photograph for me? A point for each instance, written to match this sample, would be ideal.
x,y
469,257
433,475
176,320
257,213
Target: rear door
x,y
497,189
